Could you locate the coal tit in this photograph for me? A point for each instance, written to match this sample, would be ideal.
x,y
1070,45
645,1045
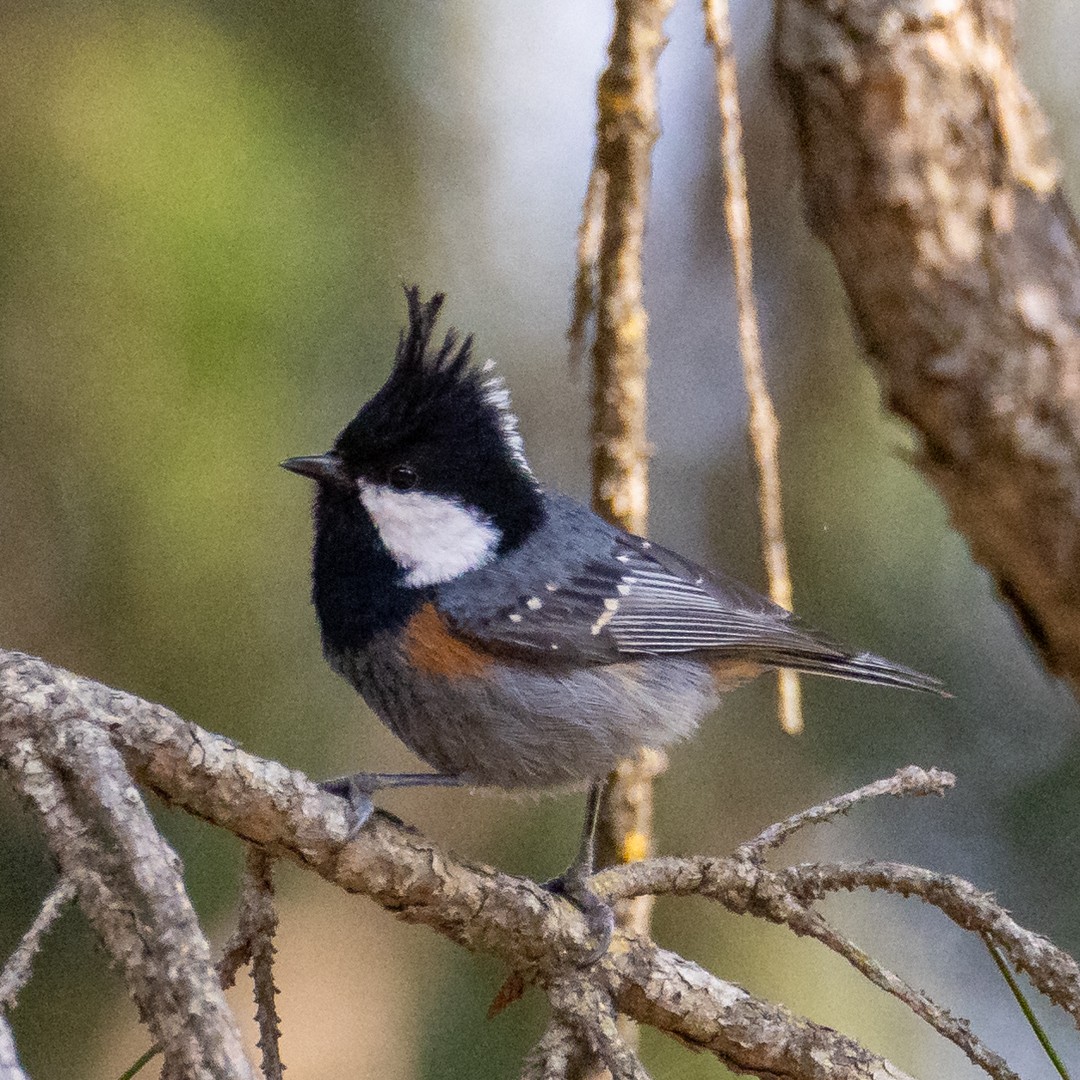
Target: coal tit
x,y
506,634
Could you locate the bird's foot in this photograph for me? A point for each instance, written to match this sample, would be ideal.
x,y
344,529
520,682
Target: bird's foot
x,y
599,916
356,790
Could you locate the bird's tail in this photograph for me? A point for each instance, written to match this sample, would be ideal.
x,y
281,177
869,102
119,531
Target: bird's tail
x,y
861,667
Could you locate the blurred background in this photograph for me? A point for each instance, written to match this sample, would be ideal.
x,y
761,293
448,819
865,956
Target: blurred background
x,y
206,213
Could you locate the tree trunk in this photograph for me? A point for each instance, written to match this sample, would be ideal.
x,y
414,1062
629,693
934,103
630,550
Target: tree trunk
x,y
927,172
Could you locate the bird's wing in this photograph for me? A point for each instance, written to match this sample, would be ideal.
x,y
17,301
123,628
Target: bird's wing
x,y
563,617
643,600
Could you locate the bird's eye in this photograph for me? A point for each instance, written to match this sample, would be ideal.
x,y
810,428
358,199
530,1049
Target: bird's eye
x,y
402,477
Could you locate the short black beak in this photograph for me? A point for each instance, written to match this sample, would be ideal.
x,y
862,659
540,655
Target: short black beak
x,y
326,468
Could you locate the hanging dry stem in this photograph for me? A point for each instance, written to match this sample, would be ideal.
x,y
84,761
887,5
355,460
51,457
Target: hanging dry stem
x,y
609,285
764,427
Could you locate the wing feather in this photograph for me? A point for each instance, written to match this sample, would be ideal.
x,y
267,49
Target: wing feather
x,y
643,600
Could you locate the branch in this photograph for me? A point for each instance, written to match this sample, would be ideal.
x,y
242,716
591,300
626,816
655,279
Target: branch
x,y
908,781
626,129
587,1010
536,934
746,888
127,879
10,1069
558,1054
588,252
16,971
927,171
256,927
743,886
609,284
1052,971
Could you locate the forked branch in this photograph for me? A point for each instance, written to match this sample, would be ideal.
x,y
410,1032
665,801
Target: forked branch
x,y
52,721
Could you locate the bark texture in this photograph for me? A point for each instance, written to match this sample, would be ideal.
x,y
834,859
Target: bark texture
x,y
927,172
51,720
613,236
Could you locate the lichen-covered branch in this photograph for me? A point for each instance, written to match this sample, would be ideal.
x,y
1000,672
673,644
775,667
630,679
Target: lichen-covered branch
x,y
536,934
627,126
127,880
609,286
927,172
1052,971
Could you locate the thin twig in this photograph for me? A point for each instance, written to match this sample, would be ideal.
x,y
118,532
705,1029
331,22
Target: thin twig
x,y
590,230
10,1069
764,427
809,923
1051,970
911,780
17,970
250,942
252,917
259,913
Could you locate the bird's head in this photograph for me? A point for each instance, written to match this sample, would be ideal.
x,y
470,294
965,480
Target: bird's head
x,y
434,460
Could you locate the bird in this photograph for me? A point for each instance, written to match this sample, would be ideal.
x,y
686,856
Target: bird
x,y
507,634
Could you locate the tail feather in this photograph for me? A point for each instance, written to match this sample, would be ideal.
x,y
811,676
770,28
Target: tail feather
x,y
862,667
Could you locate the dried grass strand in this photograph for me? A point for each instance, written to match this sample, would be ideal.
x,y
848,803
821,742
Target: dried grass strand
x,y
764,428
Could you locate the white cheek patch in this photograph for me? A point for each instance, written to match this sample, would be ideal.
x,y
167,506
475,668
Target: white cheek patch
x,y
433,538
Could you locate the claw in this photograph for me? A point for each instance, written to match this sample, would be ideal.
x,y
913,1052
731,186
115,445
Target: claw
x,y
358,795
357,790
599,916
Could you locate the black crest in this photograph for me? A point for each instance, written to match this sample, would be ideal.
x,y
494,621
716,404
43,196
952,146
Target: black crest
x,y
423,378
447,419
433,391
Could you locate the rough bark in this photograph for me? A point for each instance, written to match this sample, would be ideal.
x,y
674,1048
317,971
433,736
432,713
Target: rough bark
x,y
47,713
127,879
613,236
928,174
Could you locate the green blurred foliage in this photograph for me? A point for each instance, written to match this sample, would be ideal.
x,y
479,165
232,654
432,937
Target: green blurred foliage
x,y
188,247
205,210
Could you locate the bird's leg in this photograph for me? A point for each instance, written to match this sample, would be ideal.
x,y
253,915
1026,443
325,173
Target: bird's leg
x,y
573,882
358,788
